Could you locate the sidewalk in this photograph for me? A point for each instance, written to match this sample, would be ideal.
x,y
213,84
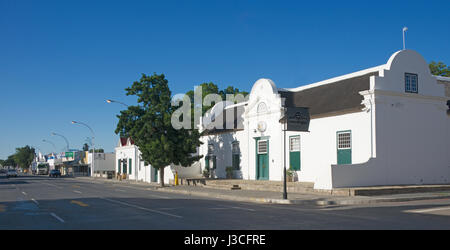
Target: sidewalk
x,y
271,197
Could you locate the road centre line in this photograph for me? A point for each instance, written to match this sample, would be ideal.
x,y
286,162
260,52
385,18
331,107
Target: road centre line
x,y
428,210
57,217
142,208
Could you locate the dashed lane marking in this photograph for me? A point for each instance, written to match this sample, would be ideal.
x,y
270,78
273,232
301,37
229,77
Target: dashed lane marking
x,y
429,210
143,208
79,203
57,217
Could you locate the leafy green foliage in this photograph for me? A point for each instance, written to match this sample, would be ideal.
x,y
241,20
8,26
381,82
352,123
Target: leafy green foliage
x,y
149,125
439,69
24,156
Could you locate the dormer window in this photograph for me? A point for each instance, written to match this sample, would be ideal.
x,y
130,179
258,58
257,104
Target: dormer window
x,y
411,83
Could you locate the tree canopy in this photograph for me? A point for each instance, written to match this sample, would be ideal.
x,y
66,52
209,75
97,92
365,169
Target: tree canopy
x,y
149,125
24,156
439,69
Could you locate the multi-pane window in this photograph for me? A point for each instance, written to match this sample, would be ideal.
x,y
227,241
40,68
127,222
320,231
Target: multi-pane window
x,y
411,83
294,144
210,149
294,153
344,140
262,147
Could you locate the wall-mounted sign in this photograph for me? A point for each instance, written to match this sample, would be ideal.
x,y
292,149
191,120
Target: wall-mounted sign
x,y
297,119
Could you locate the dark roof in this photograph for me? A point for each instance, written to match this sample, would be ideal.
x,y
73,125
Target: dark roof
x,y
123,141
334,97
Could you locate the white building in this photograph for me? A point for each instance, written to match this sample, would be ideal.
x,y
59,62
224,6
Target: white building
x,y
128,161
104,162
386,125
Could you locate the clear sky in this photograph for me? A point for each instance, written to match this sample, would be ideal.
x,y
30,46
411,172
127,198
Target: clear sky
x,y
60,60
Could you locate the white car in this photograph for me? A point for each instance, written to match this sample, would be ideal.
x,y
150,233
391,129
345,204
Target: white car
x,y
11,173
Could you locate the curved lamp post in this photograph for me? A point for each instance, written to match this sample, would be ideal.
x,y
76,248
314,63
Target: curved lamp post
x,y
53,144
93,144
111,101
67,142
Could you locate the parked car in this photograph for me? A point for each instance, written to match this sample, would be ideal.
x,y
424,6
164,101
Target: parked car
x,y
55,173
3,171
11,173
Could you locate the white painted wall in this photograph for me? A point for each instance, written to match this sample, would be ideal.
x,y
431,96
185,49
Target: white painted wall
x,y
139,170
413,130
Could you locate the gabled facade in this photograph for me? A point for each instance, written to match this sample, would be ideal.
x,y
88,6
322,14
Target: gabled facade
x,y
387,125
128,161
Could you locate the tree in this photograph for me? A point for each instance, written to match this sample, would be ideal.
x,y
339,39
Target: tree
x,y
85,147
10,162
24,156
439,69
211,88
149,125
97,150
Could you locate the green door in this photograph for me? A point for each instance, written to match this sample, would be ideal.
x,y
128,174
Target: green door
x,y
207,162
262,158
155,175
344,147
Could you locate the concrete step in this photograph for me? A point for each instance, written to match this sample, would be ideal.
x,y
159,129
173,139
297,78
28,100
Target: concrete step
x,y
276,186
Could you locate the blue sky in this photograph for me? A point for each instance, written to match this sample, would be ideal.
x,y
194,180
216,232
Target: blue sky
x,y
60,60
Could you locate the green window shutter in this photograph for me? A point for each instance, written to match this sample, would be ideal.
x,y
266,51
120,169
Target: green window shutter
x,y
129,166
236,162
207,162
118,166
214,162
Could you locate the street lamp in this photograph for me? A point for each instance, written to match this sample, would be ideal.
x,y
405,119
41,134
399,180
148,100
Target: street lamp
x,y
53,144
93,144
67,142
111,101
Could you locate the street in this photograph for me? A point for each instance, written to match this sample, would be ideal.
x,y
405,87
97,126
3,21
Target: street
x,y
39,202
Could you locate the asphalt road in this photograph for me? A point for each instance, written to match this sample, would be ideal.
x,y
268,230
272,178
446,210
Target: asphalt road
x,y
38,202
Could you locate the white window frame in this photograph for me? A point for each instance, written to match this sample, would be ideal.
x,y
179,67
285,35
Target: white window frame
x,y
409,87
258,147
346,144
291,148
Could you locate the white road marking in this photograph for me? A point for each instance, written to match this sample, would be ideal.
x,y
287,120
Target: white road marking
x,y
24,193
427,210
243,208
48,184
120,190
35,201
142,208
76,191
57,217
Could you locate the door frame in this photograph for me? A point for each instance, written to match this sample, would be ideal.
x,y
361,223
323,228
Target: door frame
x,y
256,157
337,146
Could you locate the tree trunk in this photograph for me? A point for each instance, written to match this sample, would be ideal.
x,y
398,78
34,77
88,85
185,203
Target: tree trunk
x,y
161,176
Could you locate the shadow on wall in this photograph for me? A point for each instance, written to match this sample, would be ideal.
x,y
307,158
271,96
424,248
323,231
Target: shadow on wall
x,y
223,151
